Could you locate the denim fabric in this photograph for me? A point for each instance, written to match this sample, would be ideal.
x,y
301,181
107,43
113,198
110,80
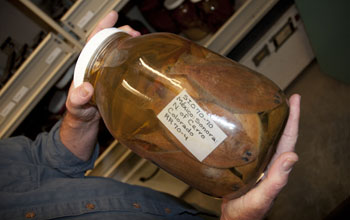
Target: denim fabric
x,y
42,179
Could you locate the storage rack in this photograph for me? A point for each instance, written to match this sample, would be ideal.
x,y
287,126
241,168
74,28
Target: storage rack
x,y
60,49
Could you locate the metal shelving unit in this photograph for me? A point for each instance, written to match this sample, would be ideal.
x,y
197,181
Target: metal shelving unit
x,y
47,62
32,80
120,163
51,23
81,18
109,160
237,27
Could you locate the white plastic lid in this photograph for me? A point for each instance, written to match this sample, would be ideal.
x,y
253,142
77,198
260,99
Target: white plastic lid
x,y
88,52
172,4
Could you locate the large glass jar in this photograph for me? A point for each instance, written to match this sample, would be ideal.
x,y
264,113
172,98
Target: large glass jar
x,y
200,116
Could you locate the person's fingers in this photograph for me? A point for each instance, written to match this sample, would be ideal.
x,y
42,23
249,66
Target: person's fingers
x,y
256,203
290,133
130,30
108,21
277,177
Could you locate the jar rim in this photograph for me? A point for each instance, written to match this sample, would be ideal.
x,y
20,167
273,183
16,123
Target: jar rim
x,y
88,53
172,4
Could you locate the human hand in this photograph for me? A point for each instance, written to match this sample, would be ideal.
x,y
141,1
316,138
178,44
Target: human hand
x,y
78,98
80,125
255,204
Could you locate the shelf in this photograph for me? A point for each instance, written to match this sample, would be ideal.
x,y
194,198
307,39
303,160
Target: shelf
x,y
32,80
238,26
148,175
82,17
128,168
110,160
52,23
246,16
120,163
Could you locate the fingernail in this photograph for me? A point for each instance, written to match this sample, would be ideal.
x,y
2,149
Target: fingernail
x,y
83,92
287,165
135,33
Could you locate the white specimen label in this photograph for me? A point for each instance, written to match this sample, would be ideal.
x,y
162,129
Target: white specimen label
x,y
8,108
85,19
19,95
53,55
187,121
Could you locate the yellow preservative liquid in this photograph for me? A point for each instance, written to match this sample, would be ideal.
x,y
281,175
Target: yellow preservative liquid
x,y
200,116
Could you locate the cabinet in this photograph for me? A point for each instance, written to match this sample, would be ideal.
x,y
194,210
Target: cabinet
x,y
50,59
24,89
59,50
278,46
81,18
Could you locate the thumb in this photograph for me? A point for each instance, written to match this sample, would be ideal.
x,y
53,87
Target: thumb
x,y
78,102
79,96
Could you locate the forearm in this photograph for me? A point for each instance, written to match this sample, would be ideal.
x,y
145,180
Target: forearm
x,y
80,137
